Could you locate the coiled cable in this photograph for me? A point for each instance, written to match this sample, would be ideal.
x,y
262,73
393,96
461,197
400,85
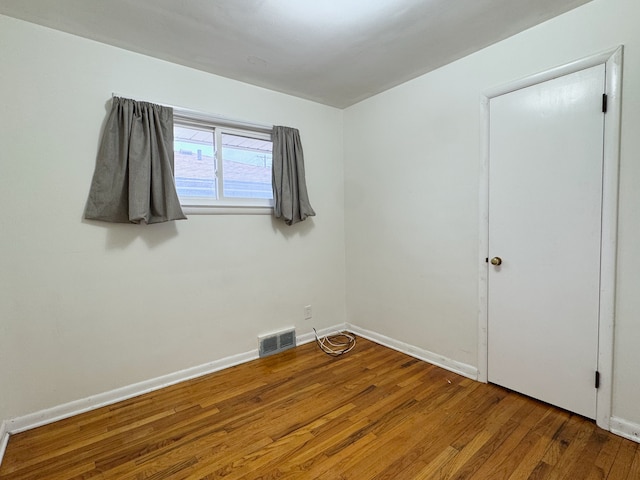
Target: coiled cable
x,y
336,344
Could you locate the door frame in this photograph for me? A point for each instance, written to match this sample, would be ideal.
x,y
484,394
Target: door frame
x,y
612,59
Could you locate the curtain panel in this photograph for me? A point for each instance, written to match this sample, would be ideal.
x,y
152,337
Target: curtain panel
x,y
133,180
291,201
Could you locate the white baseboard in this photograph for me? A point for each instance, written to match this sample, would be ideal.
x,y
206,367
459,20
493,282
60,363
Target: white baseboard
x,y
50,415
59,412
625,429
66,410
4,439
454,366
20,424
311,337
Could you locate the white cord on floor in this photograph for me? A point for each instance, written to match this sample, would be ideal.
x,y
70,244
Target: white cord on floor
x,y
337,344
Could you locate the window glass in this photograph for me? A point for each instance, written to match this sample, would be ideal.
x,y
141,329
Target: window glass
x,y
195,165
246,166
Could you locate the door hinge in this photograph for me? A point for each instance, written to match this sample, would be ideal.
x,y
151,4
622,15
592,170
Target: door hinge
x,y
597,379
604,102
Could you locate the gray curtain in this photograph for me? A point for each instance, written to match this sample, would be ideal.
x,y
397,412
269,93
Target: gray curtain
x,y
133,180
289,186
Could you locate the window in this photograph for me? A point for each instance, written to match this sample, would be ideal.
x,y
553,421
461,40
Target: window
x,y
222,165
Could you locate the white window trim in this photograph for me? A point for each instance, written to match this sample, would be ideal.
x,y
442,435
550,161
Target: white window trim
x,y
235,206
226,210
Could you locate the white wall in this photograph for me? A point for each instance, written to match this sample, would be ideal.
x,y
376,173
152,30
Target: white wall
x,y
412,158
88,307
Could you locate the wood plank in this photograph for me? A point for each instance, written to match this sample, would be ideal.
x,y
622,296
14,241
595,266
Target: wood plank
x,y
372,414
624,459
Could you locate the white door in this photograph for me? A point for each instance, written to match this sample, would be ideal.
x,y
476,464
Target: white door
x,y
545,205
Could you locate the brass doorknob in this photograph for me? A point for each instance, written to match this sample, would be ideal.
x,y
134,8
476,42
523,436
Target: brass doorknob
x,y
496,261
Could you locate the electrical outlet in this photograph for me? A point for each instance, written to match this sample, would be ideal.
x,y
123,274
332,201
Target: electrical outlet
x,y
307,312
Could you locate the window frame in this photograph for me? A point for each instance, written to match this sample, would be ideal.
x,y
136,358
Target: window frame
x,y
220,126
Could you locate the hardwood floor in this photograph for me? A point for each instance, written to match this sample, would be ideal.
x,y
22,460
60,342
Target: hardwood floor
x,y
372,414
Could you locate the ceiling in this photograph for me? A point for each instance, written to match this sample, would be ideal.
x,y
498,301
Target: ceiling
x,y
336,52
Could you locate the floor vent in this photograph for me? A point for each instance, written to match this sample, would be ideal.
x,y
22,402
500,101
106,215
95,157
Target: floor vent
x,y
276,342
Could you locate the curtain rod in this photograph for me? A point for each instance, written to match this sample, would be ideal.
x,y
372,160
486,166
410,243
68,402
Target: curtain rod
x,y
200,115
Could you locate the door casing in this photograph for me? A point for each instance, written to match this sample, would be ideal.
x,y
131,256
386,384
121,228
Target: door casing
x,y
612,59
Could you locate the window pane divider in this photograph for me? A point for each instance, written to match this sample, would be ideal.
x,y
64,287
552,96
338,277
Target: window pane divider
x,y
219,162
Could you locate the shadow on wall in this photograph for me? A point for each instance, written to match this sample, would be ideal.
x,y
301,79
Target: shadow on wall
x,y
300,229
121,235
